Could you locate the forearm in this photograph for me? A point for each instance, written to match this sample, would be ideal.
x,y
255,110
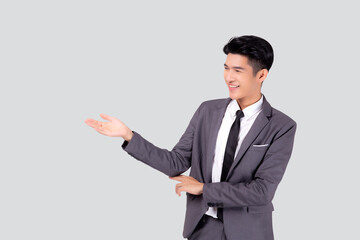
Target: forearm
x,y
171,163
256,192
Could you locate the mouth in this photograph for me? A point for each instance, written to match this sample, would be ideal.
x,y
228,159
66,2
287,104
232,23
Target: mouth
x,y
233,86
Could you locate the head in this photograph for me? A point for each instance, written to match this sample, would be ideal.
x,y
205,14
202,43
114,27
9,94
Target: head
x,y
249,59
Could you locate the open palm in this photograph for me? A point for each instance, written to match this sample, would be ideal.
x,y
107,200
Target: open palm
x,y
113,128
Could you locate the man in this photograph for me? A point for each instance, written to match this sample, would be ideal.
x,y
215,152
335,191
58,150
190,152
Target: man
x,y
237,147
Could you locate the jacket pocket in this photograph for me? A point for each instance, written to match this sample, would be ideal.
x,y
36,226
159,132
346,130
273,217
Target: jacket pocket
x,y
259,148
261,145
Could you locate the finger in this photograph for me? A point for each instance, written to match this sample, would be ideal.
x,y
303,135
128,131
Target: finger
x,y
94,124
178,190
174,178
98,127
185,178
90,122
180,187
106,117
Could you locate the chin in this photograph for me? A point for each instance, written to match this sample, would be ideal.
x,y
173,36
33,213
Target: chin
x,y
235,96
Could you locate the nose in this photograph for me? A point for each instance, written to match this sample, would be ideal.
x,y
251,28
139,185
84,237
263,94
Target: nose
x,y
229,75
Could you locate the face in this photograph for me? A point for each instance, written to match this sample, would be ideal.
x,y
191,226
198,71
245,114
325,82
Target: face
x,y
239,77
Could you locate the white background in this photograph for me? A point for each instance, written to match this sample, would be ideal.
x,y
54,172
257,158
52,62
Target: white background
x,y
62,62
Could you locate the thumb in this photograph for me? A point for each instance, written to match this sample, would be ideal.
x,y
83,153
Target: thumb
x,y
106,117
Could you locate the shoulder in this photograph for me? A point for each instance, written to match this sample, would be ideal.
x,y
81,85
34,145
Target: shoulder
x,y
281,123
282,118
212,104
215,101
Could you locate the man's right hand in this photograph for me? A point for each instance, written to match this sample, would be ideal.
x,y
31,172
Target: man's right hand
x,y
113,128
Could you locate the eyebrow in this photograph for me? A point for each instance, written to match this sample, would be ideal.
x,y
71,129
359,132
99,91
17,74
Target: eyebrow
x,y
241,68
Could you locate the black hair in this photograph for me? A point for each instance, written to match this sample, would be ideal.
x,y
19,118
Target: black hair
x,y
259,51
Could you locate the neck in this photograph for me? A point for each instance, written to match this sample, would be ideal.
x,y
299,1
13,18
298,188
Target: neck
x,y
247,101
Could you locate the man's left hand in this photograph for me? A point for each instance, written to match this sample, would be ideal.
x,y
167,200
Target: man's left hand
x,y
188,184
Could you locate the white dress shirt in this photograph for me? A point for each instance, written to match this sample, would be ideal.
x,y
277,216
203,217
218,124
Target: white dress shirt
x,y
250,114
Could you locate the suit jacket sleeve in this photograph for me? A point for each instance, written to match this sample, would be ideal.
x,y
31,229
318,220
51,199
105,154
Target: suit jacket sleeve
x,y
260,190
171,163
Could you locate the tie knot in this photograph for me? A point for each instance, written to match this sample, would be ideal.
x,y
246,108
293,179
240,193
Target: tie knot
x,y
239,113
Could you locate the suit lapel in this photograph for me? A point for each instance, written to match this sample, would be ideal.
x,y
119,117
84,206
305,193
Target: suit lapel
x,y
215,119
259,123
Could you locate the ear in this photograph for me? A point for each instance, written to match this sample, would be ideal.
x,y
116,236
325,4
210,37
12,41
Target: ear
x,y
261,75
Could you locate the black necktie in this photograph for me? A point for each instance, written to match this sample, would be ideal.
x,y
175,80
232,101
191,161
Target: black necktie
x,y
230,152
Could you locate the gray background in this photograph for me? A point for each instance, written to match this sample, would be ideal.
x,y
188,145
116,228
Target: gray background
x,y
151,64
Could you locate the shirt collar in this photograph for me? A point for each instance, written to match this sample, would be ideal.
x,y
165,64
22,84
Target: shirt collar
x,y
249,111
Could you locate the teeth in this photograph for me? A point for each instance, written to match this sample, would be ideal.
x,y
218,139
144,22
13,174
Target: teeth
x,y
234,85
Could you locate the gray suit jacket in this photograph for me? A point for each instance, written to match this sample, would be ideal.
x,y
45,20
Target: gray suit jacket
x,y
259,166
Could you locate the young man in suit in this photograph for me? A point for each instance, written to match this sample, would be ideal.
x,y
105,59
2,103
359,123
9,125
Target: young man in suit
x,y
237,147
